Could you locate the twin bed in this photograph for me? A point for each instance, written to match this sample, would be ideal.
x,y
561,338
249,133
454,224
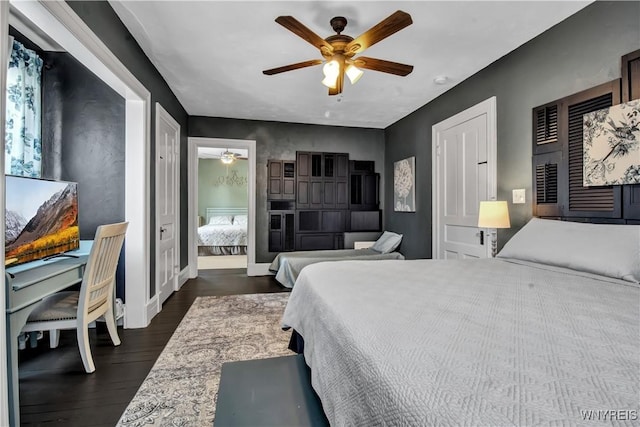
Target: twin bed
x,y
287,265
224,232
546,334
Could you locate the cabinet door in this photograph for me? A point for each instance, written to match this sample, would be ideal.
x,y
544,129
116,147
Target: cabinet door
x,y
289,236
275,232
329,165
333,221
315,194
303,161
342,194
342,166
302,194
274,187
370,191
288,180
328,194
365,220
316,241
315,160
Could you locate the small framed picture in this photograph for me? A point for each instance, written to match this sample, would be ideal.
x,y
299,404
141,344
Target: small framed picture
x,y
404,185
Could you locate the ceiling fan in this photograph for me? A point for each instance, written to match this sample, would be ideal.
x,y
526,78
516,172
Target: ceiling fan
x,y
339,50
227,157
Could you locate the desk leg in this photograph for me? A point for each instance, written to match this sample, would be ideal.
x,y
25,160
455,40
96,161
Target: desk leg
x,y
15,323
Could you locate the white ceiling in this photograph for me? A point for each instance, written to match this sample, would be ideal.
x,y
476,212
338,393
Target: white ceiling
x,y
212,53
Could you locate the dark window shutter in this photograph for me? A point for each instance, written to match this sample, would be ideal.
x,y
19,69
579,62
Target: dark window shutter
x,y
547,183
547,125
631,90
600,199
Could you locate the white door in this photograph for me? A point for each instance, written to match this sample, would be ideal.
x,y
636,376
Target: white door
x,y
464,174
167,204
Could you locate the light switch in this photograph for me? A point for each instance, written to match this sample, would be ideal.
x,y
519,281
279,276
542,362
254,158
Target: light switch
x,y
518,196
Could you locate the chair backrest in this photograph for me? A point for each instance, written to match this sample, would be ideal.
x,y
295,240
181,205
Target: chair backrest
x,y
96,291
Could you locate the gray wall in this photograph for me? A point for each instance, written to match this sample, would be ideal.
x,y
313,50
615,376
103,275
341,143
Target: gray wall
x,y
104,22
83,140
275,140
580,52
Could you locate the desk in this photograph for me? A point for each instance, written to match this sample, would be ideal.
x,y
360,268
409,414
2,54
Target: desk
x,y
26,285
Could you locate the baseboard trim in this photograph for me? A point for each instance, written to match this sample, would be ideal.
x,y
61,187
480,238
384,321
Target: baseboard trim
x,y
259,269
183,276
152,309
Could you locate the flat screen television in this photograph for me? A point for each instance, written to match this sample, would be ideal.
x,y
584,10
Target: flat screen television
x,y
41,219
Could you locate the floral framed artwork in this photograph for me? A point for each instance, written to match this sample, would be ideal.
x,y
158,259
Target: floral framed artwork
x,y
612,145
404,185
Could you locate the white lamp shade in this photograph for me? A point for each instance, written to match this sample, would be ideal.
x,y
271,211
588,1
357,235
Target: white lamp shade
x,y
354,73
331,70
494,214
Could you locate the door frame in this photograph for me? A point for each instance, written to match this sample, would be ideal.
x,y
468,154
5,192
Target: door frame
x,y
162,114
488,107
62,24
250,145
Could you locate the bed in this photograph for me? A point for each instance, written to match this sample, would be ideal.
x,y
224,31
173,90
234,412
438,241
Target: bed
x,y
287,265
224,232
522,339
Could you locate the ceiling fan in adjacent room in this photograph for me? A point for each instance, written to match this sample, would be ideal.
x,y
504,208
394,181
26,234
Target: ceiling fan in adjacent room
x,y
227,157
339,50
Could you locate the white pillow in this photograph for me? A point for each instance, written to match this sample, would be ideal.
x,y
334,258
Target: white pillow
x,y
606,249
240,220
387,243
220,220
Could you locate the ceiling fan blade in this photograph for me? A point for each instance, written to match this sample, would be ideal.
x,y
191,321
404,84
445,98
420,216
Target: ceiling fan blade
x,y
383,66
291,67
296,27
394,23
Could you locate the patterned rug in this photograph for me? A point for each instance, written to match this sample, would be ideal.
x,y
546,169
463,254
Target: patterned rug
x,y
181,388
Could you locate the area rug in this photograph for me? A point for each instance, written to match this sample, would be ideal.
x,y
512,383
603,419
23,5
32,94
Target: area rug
x,y
181,388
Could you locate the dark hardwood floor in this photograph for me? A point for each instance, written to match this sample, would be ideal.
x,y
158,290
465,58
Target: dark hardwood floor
x,y
55,390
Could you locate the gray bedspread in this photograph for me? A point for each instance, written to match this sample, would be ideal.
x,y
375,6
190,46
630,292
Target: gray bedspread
x,y
288,265
468,342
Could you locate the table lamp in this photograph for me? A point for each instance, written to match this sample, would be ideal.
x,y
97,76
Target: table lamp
x,y
493,214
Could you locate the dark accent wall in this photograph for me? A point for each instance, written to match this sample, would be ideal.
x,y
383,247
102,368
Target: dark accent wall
x,y
578,53
104,22
275,140
83,140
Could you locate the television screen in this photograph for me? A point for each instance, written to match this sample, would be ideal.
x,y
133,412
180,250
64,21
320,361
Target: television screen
x,y
41,219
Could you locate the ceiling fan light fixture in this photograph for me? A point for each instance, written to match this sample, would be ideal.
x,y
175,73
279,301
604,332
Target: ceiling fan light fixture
x,y
331,70
354,73
227,157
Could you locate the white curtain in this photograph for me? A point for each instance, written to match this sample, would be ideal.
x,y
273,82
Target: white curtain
x,y
23,146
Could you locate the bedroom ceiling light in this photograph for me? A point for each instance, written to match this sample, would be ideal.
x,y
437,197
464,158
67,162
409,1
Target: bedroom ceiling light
x,y
493,214
339,50
354,73
333,70
227,157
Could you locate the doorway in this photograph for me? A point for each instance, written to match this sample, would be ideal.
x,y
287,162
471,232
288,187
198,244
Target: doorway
x,y
223,202
464,173
218,207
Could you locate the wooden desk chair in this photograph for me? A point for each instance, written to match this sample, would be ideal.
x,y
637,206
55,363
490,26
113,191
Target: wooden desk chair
x,y
75,310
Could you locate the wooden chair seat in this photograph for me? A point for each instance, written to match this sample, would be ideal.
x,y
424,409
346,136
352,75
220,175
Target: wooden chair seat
x,y
76,310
